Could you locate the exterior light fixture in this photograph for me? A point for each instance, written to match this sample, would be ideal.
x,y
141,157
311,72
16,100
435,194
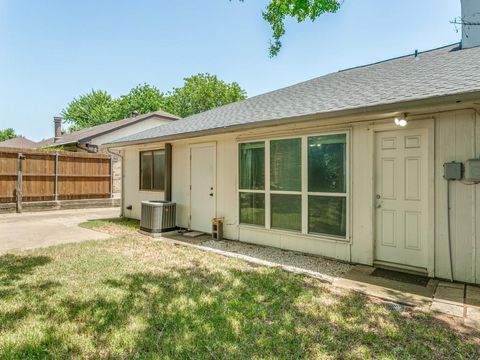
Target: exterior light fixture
x,y
401,121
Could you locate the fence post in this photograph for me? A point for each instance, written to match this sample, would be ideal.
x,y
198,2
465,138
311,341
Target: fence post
x,y
21,157
111,176
56,177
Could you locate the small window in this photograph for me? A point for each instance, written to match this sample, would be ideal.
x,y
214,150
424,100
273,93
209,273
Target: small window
x,y
287,212
152,170
286,165
327,215
327,163
252,208
252,166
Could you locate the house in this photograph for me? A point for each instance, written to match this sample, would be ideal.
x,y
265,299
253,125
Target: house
x,y
18,142
348,166
91,139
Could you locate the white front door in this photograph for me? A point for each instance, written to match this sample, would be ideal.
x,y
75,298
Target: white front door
x,y
401,181
202,187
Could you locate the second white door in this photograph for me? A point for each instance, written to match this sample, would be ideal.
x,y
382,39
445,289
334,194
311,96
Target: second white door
x,y
402,197
202,187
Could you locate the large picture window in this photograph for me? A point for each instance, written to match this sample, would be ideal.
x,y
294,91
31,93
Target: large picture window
x,y
297,184
152,170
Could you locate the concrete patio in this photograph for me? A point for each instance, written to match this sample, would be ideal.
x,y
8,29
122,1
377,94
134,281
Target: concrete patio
x,y
41,229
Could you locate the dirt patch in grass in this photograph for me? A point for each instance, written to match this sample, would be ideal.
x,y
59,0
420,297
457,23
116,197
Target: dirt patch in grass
x,y
134,297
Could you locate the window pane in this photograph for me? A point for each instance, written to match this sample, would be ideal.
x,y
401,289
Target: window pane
x,y
146,170
252,166
286,165
286,212
159,170
327,163
327,215
252,208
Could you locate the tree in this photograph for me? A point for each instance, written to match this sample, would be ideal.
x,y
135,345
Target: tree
x,y
200,93
89,110
7,134
300,10
141,99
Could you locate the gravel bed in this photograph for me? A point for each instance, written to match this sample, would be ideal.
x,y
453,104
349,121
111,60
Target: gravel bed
x,y
279,256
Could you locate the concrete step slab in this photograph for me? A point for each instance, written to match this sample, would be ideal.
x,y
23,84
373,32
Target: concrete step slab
x,y
448,308
360,279
472,296
450,293
472,318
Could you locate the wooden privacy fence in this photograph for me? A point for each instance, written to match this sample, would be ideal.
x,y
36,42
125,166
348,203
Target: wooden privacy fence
x,y
28,175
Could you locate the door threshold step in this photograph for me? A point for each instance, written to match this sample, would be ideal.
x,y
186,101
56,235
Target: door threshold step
x,y
400,267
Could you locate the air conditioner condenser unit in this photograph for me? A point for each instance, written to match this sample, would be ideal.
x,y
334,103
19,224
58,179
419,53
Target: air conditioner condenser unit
x,y
158,216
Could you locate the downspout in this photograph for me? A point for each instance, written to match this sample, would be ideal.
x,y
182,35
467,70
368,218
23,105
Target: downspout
x,y
122,182
168,172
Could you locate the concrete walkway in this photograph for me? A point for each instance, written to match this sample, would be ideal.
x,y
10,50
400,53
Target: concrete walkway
x,y
41,229
443,297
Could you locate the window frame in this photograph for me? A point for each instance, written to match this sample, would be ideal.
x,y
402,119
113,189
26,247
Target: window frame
x,y
140,153
304,193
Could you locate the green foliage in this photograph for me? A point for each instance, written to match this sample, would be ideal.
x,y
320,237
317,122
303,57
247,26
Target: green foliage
x,y
7,134
89,110
141,99
300,10
202,92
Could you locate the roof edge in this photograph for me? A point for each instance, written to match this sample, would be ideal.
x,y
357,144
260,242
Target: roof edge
x,y
86,139
389,107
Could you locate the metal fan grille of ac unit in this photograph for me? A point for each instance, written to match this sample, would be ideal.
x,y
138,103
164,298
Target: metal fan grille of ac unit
x,y
158,216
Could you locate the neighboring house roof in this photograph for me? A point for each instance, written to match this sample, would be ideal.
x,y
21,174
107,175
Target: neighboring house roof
x,y
431,74
19,142
85,135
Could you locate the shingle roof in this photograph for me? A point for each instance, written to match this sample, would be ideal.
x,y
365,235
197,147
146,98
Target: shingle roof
x,y
439,72
89,133
19,142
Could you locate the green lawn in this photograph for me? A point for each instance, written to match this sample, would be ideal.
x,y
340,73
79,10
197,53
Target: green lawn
x,y
133,297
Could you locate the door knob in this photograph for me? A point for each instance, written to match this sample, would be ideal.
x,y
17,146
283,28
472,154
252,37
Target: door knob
x,y
211,194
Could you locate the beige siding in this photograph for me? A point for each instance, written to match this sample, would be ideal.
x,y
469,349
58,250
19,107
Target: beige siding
x,y
134,196
362,193
180,182
118,134
456,134
128,130
456,138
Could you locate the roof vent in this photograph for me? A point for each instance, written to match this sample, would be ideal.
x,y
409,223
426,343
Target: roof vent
x,y
470,22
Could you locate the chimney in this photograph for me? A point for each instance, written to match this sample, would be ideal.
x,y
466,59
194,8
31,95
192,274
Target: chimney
x,y
58,127
470,23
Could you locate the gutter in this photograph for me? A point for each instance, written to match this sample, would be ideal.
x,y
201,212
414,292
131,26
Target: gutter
x,y
393,109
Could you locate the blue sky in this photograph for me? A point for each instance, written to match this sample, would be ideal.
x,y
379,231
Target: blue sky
x,y
54,50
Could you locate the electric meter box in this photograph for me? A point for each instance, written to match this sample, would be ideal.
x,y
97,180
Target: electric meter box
x,y
452,170
472,170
